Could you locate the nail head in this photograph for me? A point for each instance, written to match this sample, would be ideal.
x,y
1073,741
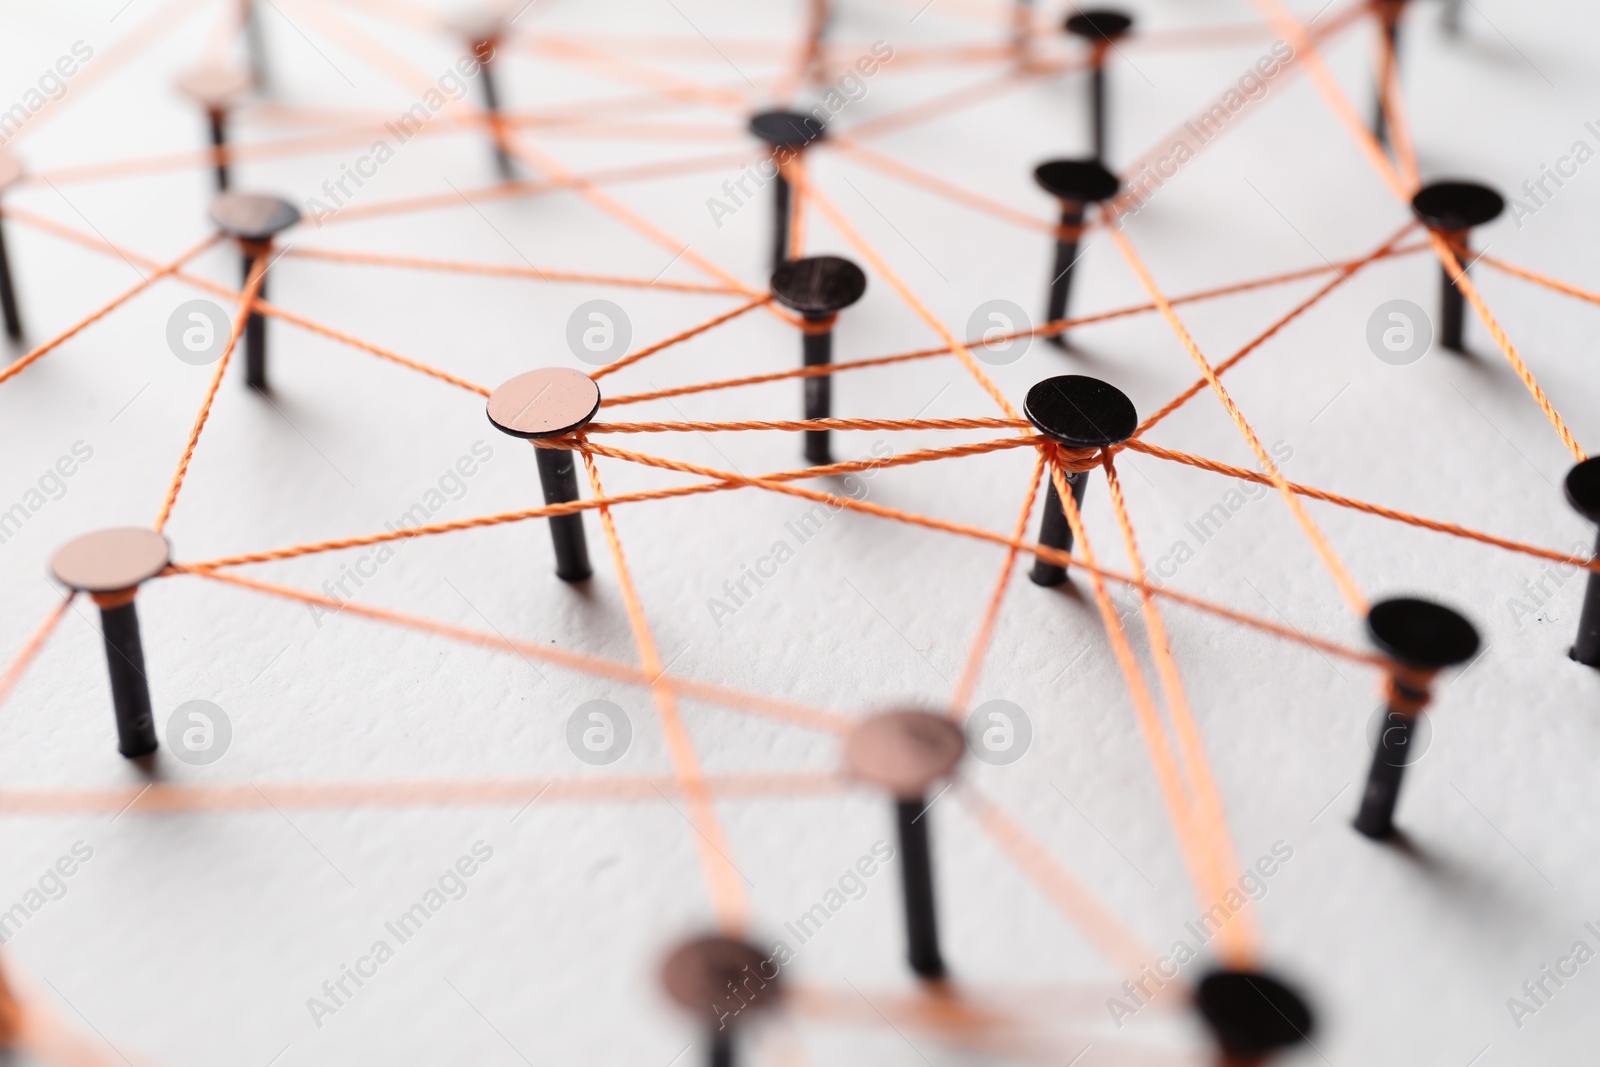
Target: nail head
x,y
1099,24
550,402
905,751
111,561
1421,634
787,129
697,976
1085,181
216,87
1081,412
818,285
1251,1013
252,216
1583,488
1456,205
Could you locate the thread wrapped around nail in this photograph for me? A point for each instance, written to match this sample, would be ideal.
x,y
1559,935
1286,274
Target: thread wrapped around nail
x,y
1408,691
817,327
1075,460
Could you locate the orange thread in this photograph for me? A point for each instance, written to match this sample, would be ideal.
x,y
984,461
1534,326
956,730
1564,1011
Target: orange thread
x,y
1361,505
30,648
962,694
798,425
727,894
755,703
1324,550
1266,335
1463,282
72,331
258,273
494,270
678,338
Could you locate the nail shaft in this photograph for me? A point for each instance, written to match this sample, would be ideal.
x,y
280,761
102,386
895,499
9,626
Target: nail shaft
x,y
130,690
1380,117
491,104
782,199
916,869
818,349
1054,530
255,330
1586,649
1097,103
219,141
1452,305
721,1049
8,294
558,476
1389,758
1061,273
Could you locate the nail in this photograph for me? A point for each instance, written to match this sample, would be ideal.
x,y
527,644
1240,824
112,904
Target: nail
x,y
1101,28
721,982
254,220
1420,638
1452,210
218,91
537,406
907,753
11,171
1583,493
110,565
1251,1015
1076,183
1085,416
818,288
789,133
483,32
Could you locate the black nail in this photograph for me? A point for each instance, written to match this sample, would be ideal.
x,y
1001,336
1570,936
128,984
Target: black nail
x,y
908,752
1251,1015
1101,28
1420,638
483,32
217,90
818,287
1583,493
1452,210
254,220
1084,415
540,405
10,173
110,565
1076,183
789,133
1388,12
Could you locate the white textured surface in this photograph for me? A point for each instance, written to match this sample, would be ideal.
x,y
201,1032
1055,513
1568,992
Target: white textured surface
x,y
197,938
